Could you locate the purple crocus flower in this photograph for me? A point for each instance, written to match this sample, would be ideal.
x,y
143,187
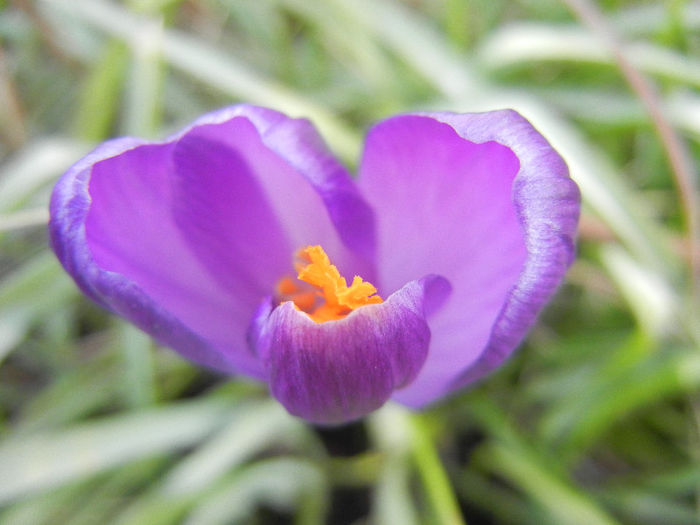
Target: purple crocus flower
x,y
229,242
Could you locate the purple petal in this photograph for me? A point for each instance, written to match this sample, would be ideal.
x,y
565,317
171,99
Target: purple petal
x,y
311,193
496,215
184,237
225,218
337,371
102,251
548,204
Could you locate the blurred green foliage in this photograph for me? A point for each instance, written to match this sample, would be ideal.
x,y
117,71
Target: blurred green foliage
x,y
595,421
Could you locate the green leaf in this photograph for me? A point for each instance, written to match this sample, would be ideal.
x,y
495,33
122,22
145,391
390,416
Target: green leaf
x,y
281,483
29,464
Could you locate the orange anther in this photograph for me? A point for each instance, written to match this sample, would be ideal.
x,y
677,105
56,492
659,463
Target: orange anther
x,y
340,299
287,286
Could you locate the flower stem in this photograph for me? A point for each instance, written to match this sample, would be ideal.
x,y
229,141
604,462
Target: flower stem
x,y
436,484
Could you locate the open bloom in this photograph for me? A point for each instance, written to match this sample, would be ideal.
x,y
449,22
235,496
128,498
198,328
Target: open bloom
x,y
243,244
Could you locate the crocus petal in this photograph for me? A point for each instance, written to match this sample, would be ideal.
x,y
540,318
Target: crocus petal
x,y
337,371
224,216
548,205
173,280
311,193
496,215
161,233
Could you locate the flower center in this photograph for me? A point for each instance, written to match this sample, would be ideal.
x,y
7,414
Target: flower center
x,y
338,299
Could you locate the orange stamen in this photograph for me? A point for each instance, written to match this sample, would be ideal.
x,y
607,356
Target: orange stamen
x,y
339,298
304,298
287,286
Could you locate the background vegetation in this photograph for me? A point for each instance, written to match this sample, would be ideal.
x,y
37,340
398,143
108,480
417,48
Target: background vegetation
x,y
595,421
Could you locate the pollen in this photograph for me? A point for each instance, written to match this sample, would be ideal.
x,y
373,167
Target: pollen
x,y
337,299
